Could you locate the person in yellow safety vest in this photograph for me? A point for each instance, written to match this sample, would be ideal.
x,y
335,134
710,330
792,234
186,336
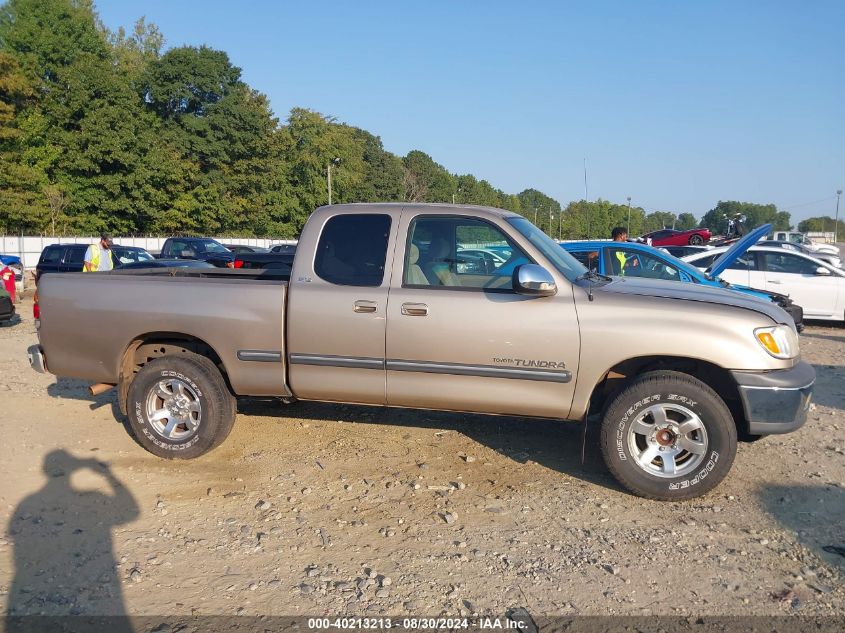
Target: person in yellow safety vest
x,y
620,234
98,257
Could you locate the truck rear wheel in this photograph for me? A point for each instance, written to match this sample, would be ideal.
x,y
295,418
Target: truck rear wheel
x,y
180,407
668,436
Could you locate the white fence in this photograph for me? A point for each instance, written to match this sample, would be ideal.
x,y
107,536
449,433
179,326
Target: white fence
x,y
29,248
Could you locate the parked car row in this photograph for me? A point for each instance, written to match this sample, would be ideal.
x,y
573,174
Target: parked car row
x,y
631,259
181,252
817,286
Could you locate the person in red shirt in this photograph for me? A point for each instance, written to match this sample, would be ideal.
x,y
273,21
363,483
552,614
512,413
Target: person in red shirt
x,y
8,277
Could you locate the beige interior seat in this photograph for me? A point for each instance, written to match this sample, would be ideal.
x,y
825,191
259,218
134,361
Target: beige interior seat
x,y
436,268
415,276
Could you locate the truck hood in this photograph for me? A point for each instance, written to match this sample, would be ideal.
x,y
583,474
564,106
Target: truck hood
x,y
693,292
737,250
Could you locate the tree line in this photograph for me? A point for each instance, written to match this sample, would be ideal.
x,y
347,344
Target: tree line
x,y
103,130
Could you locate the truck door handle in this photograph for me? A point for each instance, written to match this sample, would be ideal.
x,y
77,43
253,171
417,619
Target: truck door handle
x,y
774,281
364,306
414,309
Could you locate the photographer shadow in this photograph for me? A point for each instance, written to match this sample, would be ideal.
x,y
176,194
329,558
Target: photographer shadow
x,y
63,552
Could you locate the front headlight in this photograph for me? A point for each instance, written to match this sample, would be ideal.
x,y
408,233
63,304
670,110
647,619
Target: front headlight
x,y
780,341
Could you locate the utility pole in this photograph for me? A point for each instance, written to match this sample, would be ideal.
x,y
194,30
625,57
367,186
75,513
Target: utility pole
x,y
836,221
535,216
628,230
550,220
335,162
559,222
586,198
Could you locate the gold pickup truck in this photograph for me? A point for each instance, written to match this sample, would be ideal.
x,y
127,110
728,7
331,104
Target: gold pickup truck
x,y
445,307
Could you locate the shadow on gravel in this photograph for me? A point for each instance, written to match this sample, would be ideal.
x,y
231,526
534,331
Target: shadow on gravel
x,y
63,554
815,514
73,389
553,444
830,386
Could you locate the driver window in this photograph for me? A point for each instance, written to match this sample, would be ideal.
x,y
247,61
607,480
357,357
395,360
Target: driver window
x,y
459,252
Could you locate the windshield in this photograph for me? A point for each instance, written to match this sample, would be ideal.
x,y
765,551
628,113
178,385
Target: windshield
x,y
210,246
565,263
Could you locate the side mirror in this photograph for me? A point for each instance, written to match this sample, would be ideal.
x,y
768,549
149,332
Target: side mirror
x,y
821,270
533,280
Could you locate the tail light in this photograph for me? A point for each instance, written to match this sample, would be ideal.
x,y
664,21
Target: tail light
x,y
36,310
238,263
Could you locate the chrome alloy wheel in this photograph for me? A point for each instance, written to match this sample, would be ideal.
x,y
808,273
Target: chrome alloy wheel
x,y
173,409
668,440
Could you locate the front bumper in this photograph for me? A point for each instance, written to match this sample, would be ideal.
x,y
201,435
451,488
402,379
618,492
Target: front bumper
x,y
36,359
776,401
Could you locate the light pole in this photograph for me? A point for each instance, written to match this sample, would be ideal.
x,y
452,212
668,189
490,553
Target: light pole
x,y
559,222
836,221
335,162
628,230
535,216
550,220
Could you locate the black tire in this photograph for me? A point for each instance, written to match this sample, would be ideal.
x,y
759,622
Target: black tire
x,y
696,240
204,389
685,402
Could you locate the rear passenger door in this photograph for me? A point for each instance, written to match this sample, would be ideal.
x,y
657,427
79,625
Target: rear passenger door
x,y
337,311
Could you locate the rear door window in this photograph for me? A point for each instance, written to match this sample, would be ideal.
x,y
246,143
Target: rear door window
x,y
76,255
353,249
788,263
51,255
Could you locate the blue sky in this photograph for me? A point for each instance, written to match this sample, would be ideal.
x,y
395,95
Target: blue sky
x,y
676,104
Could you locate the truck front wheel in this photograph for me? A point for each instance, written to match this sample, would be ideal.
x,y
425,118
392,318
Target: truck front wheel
x,y
668,436
180,407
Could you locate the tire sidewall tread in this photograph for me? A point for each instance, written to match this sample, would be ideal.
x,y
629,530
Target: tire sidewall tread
x,y
218,405
669,387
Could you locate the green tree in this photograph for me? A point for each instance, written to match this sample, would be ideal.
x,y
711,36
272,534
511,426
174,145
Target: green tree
x,y
686,221
821,224
425,180
23,206
48,35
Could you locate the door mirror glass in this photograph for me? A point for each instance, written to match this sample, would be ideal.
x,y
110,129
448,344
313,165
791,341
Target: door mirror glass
x,y
534,280
821,270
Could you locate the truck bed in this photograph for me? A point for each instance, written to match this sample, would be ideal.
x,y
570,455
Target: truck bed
x,y
89,321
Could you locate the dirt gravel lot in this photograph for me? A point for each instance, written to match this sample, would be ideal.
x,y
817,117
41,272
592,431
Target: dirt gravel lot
x,y
319,509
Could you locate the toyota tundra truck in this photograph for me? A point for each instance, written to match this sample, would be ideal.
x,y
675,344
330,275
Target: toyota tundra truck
x,y
390,305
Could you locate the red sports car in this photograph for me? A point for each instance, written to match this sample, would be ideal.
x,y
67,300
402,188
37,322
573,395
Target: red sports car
x,y
670,237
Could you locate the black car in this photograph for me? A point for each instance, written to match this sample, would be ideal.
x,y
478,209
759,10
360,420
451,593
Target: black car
x,y
237,249
70,258
280,262
165,263
287,249
7,309
201,248
683,251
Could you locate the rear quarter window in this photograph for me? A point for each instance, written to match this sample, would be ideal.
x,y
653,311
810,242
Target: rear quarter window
x,y
352,249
